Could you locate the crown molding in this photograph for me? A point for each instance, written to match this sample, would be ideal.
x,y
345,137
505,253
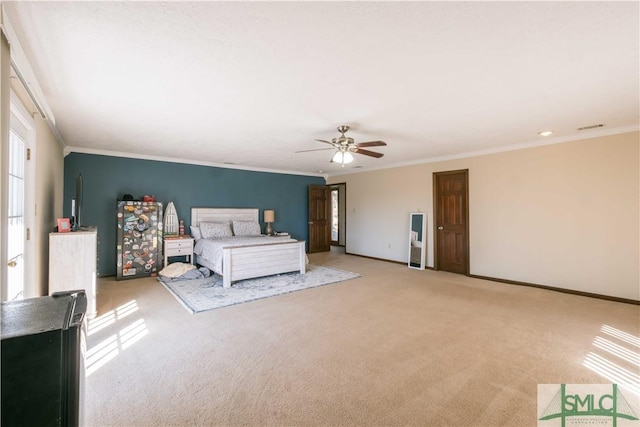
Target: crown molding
x,y
512,147
84,150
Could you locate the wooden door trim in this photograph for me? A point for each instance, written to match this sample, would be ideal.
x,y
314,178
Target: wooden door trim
x,y
436,260
344,232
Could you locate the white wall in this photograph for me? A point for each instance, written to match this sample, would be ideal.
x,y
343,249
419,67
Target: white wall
x,y
48,198
378,206
564,215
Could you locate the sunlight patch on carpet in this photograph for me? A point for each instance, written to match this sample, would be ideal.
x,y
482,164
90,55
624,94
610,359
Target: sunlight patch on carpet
x,y
101,353
199,295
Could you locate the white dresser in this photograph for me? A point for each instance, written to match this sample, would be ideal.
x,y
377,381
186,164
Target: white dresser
x,y
73,264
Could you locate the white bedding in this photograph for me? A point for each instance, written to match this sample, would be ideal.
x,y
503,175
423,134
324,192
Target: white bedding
x,y
211,249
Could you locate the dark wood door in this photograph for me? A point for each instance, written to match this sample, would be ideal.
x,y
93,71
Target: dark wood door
x,y
451,221
319,219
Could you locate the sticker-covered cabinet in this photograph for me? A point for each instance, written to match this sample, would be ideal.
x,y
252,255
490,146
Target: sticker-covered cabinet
x,y
139,244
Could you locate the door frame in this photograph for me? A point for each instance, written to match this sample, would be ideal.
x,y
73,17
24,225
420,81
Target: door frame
x,y
22,115
19,113
436,257
341,187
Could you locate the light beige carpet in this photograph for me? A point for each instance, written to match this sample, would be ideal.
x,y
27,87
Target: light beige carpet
x,y
393,347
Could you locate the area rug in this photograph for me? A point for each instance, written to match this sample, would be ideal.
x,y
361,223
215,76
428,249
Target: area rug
x,y
205,294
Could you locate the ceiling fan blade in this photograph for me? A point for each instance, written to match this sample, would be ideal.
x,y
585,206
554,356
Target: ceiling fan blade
x,y
317,149
371,144
326,142
367,153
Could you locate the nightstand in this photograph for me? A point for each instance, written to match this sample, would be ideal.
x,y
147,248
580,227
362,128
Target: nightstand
x,y
178,246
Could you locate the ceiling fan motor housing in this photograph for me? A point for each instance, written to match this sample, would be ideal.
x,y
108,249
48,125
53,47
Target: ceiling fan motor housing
x,y
343,140
342,129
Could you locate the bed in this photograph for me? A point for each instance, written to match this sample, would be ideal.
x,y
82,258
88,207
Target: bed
x,y
243,257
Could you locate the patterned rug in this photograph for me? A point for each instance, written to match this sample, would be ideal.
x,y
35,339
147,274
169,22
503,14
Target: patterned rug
x,y
199,295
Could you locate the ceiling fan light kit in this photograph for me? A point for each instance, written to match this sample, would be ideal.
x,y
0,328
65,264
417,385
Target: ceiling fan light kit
x,y
342,157
344,146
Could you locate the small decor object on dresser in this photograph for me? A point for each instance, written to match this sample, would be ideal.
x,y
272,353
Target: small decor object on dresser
x,y
64,225
170,220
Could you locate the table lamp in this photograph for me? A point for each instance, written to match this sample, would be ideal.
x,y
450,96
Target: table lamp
x,y
269,217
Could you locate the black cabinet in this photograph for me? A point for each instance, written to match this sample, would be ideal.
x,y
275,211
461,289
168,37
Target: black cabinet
x,y
43,360
139,244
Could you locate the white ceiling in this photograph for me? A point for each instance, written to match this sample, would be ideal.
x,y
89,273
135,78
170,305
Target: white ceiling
x,y
250,83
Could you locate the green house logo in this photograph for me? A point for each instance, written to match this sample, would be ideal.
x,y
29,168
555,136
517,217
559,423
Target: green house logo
x,y
588,402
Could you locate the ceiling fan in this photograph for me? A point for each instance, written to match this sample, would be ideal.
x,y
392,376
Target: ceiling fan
x,y
345,145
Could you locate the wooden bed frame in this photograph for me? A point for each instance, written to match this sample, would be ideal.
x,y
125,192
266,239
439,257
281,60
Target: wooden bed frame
x,y
246,262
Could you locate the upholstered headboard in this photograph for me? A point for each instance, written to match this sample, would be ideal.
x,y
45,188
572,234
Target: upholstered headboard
x,y
199,215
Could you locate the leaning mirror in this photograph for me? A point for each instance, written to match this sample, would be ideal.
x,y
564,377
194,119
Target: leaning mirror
x,y
417,230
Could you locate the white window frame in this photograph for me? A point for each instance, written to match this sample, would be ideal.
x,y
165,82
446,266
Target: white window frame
x,y
26,131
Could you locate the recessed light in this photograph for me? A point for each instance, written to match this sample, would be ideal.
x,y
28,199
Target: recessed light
x,y
545,133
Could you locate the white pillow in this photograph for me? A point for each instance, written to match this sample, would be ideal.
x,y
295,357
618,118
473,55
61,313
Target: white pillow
x,y
211,230
246,228
196,233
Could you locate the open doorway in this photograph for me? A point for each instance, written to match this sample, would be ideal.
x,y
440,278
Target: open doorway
x,y
338,214
327,217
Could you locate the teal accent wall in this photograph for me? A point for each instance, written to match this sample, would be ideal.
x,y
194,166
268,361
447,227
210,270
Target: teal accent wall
x,y
107,178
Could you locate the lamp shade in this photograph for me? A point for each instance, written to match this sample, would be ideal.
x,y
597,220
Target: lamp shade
x,y
269,216
342,157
